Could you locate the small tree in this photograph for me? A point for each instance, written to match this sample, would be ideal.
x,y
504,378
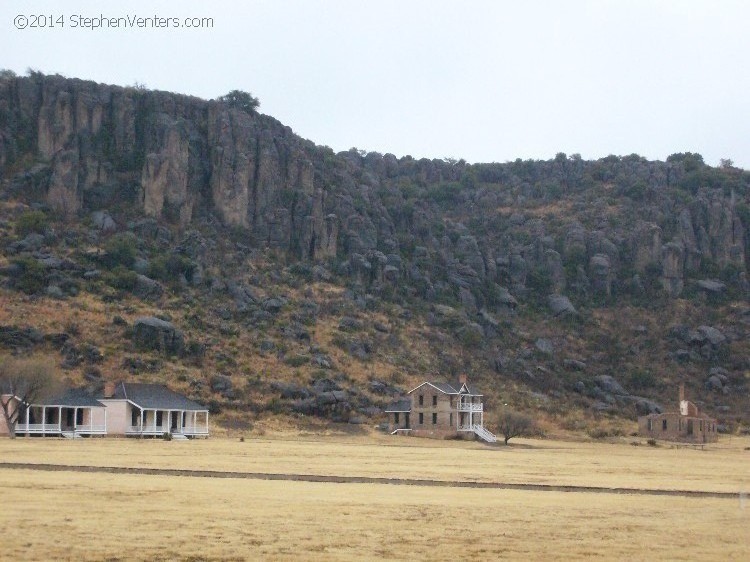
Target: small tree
x,y
23,382
514,424
241,100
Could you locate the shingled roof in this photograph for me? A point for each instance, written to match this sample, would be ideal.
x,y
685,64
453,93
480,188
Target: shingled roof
x,y
449,388
75,397
155,397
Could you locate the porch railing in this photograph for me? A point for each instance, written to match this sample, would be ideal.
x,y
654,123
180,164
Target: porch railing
x,y
162,429
469,407
190,430
147,429
89,429
58,428
37,428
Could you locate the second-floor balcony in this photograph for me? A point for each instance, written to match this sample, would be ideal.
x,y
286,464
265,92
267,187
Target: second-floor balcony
x,y
470,407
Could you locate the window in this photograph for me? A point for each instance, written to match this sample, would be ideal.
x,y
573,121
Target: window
x,y
133,417
395,418
701,425
434,419
159,416
451,423
421,418
664,425
650,424
434,400
421,399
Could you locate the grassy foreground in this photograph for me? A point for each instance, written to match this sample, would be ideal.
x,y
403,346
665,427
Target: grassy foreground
x,y
721,467
68,515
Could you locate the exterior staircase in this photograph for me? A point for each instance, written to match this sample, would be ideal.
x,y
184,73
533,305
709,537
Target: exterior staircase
x,y
70,435
484,434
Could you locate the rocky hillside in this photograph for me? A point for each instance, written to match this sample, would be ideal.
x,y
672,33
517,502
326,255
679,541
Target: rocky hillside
x,y
155,236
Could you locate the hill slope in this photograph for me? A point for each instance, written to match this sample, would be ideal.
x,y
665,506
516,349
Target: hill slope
x,y
584,290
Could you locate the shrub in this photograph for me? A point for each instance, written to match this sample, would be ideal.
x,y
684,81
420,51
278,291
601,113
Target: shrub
x,y
297,360
170,268
120,250
32,277
31,221
642,379
651,442
122,279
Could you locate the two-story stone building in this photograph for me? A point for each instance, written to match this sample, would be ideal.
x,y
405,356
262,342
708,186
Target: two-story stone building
x,y
440,409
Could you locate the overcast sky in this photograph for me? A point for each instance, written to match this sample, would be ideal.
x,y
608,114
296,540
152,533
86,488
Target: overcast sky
x,y
488,81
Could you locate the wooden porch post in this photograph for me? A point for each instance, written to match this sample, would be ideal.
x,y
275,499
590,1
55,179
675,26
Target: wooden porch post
x,y
44,419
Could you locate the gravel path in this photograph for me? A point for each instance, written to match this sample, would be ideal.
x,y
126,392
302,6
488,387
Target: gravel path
x,y
365,480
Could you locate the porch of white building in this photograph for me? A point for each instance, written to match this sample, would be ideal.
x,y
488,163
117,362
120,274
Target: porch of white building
x,y
470,413
63,420
156,422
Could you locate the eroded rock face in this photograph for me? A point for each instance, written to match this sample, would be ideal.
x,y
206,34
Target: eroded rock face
x,y
646,245
381,219
164,178
673,264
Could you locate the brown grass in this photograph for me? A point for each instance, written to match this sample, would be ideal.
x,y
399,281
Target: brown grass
x,y
718,468
94,517
68,515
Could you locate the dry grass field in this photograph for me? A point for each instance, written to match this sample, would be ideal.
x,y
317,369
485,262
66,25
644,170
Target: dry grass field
x,y
92,516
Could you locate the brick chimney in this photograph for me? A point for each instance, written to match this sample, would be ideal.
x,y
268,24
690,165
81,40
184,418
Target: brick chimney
x,y
109,389
462,378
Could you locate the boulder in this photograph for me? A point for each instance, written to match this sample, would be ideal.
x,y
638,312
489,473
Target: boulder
x,y
644,406
560,305
103,221
714,336
609,385
545,346
711,286
290,390
147,288
714,383
152,333
601,276
574,365
272,305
